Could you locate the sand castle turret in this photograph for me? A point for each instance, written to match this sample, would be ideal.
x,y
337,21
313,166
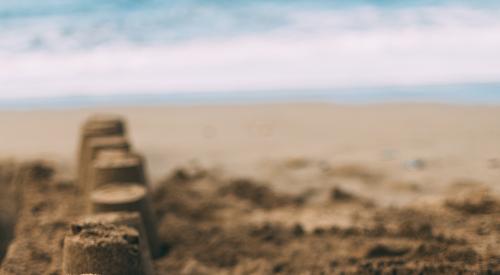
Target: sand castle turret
x,y
95,146
102,249
95,127
127,197
114,167
130,219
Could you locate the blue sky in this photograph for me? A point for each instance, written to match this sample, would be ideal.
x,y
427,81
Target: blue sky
x,y
60,47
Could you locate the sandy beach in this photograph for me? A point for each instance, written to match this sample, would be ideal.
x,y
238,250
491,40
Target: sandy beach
x,y
321,165
242,137
453,142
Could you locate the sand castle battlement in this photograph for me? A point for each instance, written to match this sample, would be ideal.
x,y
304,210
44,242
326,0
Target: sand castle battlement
x,y
120,222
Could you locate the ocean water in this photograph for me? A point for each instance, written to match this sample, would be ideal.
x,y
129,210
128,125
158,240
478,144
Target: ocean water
x,y
463,94
219,50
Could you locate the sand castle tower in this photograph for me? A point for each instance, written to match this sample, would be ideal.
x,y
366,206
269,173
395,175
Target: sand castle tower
x,y
102,249
113,167
128,197
95,146
130,219
113,180
95,127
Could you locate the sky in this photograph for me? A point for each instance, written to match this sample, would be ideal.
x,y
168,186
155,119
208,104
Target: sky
x,y
51,48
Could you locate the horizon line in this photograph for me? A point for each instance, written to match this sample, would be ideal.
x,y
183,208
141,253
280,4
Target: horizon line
x,y
462,94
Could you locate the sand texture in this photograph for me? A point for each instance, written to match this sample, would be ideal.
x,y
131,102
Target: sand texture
x,y
277,189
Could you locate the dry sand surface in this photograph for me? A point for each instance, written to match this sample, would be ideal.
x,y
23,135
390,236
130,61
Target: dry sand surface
x,y
287,189
454,142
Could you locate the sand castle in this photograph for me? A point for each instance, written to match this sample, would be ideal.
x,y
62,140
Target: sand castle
x,y
118,236
130,219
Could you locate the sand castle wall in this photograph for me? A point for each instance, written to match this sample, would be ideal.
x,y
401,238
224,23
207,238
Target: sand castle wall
x,y
112,180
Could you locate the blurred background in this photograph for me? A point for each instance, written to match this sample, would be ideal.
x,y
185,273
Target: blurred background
x,y
88,52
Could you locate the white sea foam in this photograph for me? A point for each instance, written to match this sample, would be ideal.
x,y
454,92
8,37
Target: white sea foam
x,y
313,50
